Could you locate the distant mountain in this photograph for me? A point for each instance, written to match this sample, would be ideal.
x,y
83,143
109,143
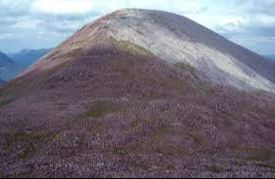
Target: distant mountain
x,y
7,67
13,64
272,57
25,58
2,82
4,60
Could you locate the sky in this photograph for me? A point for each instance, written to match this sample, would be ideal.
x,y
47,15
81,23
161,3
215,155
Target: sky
x,y
34,24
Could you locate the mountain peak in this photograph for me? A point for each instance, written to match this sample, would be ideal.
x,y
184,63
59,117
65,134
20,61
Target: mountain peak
x,y
175,39
4,59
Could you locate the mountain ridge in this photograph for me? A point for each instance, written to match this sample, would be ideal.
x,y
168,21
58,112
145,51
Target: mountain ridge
x,y
6,67
271,57
27,57
4,60
13,64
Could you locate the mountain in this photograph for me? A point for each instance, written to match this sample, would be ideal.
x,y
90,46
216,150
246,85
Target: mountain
x,y
2,82
27,57
18,62
4,60
181,41
13,64
6,66
272,57
141,93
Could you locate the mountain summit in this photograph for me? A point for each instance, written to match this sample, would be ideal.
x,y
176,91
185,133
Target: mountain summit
x,y
141,93
176,39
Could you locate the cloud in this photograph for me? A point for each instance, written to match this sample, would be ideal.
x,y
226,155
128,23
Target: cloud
x,y
6,36
47,22
14,8
62,6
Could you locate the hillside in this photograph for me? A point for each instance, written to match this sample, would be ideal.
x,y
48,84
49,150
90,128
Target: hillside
x,y
141,93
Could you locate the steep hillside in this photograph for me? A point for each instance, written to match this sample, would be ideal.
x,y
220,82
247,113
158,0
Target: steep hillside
x,y
137,94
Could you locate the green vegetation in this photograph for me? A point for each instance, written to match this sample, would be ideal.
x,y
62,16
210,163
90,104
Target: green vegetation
x,y
29,142
61,106
81,140
71,54
188,68
215,169
168,148
163,142
130,70
124,69
194,79
137,164
75,52
6,102
266,165
96,126
28,152
259,154
29,148
100,109
127,149
196,137
131,48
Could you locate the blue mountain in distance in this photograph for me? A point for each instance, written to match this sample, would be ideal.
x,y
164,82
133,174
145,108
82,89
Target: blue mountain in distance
x,y
7,67
272,57
2,82
27,57
13,64
4,60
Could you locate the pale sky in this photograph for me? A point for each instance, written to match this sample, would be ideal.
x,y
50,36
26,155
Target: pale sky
x,y
26,24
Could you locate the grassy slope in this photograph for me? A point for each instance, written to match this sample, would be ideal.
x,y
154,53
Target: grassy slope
x,y
122,112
